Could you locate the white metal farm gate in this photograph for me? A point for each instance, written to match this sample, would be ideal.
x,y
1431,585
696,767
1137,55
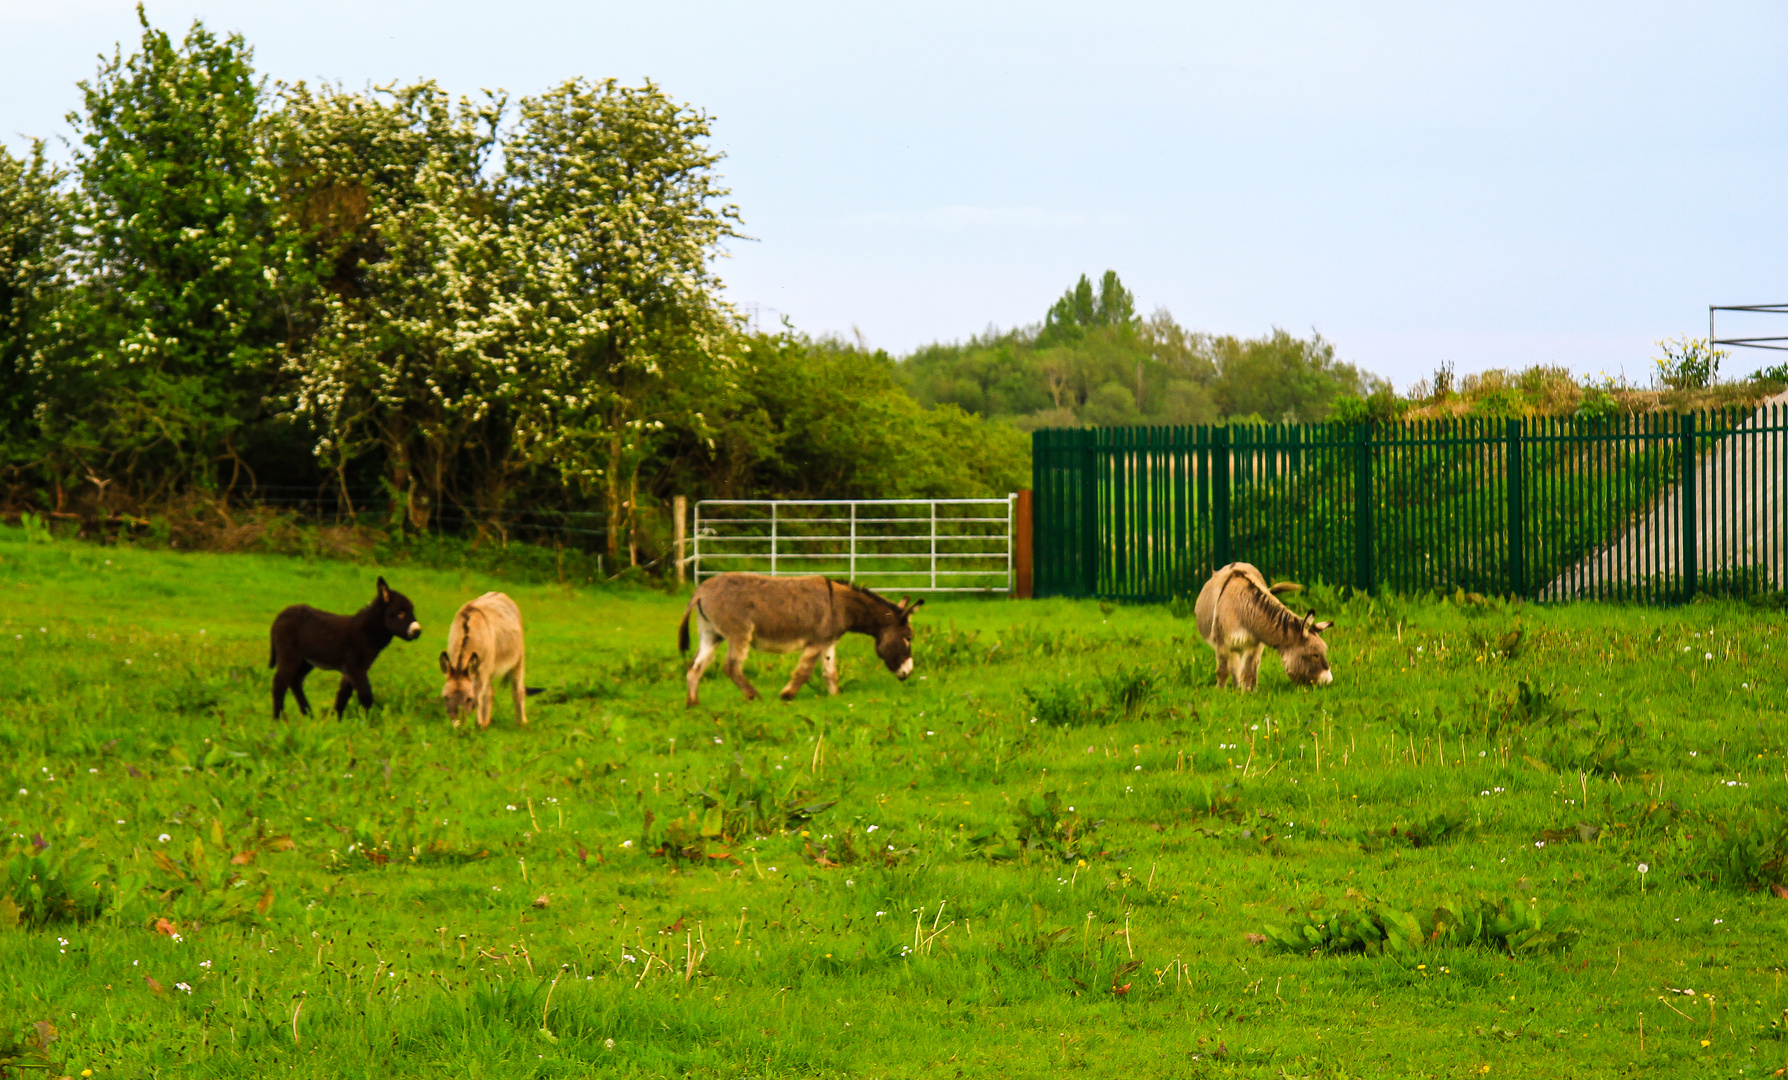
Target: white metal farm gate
x,y
913,545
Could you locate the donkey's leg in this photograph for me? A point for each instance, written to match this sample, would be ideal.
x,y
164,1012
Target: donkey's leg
x,y
518,687
363,687
487,698
297,681
342,694
803,671
281,680
737,649
831,670
1222,669
709,640
1251,667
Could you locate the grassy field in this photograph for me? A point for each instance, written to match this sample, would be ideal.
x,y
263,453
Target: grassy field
x,y
1056,849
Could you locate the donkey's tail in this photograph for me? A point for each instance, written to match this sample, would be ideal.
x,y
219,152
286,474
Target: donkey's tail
x,y
683,633
1284,587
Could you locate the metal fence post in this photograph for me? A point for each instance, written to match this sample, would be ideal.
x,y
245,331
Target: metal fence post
x,y
1089,513
695,558
934,545
1362,507
1686,485
1221,555
772,539
1517,513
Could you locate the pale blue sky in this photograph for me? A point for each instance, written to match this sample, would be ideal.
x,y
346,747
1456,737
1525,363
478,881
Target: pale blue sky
x,y
1495,184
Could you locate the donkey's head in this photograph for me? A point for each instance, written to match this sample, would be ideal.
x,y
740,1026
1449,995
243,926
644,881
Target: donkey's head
x,y
400,614
461,692
1307,661
894,640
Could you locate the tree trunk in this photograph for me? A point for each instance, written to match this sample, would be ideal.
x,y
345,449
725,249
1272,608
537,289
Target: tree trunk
x,y
616,505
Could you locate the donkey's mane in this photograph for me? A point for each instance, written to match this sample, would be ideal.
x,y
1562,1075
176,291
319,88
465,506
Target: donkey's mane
x,y
862,590
465,637
1263,603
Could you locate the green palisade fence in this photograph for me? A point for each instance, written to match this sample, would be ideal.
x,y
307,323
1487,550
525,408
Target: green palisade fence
x,y
1648,508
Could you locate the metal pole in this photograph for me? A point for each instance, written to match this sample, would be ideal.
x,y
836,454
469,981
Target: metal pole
x,y
934,546
697,559
853,577
1362,512
1517,513
1221,554
679,509
773,539
1686,486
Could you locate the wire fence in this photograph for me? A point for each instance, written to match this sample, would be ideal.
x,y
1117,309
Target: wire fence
x,y
531,523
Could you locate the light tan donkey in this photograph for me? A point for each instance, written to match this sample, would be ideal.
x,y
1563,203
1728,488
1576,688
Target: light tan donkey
x,y
1239,615
483,645
780,615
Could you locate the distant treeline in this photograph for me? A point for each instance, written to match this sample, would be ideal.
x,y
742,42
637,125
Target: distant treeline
x,y
1093,360
473,309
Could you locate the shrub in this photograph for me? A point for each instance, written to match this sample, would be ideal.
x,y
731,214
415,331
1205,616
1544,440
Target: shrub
x,y
1689,363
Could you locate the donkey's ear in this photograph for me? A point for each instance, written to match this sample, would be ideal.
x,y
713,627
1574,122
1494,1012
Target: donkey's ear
x,y
1321,626
1310,621
472,665
384,591
446,665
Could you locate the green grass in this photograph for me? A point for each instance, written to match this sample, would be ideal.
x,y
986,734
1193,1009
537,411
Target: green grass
x,y
386,924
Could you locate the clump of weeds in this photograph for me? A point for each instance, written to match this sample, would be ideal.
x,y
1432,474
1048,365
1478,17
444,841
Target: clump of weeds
x,y
1434,829
1042,827
1373,926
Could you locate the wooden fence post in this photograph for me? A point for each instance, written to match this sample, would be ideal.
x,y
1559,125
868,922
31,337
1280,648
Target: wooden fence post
x,y
679,533
1021,546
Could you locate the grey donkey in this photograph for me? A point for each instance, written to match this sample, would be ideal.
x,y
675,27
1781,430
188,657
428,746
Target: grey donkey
x,y
780,615
1239,615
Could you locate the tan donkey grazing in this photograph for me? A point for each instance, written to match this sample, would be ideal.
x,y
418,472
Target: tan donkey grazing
x,y
483,645
1239,615
781,615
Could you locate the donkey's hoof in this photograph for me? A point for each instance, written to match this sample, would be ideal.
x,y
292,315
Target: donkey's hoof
x,y
787,695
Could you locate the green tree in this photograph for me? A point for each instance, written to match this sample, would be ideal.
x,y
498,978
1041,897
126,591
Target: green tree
x,y
34,242
1283,378
825,419
1082,309
413,355
175,331
617,215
